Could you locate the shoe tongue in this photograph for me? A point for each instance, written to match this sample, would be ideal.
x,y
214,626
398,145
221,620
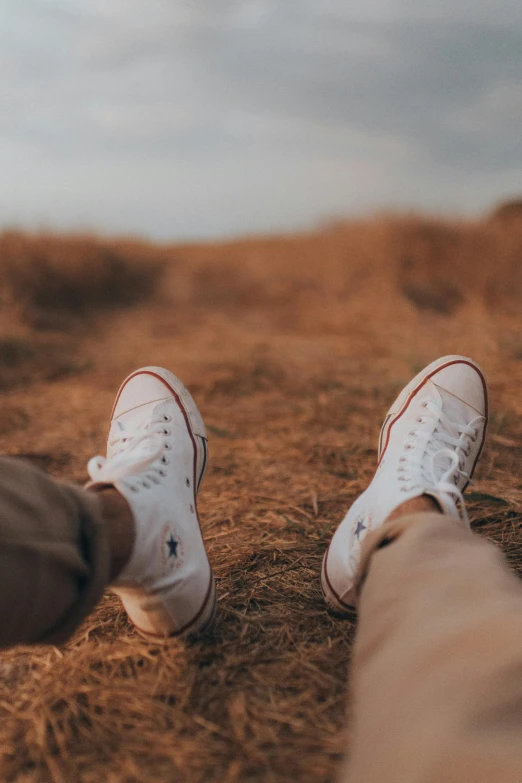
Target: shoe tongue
x,y
131,422
454,408
436,394
140,413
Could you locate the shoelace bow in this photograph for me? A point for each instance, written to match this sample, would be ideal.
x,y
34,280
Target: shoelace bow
x,y
450,441
141,447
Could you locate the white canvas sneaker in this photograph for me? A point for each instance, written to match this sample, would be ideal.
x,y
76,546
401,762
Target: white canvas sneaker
x,y
156,458
430,442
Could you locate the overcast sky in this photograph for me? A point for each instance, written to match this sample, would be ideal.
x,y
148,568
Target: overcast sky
x,y
195,118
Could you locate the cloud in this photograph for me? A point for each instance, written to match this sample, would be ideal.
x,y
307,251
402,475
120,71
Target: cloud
x,y
233,116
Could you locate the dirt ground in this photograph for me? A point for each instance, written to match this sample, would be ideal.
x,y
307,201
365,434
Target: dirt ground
x,y
293,350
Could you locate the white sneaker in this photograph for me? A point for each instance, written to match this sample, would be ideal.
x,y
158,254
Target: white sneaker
x,y
430,442
156,458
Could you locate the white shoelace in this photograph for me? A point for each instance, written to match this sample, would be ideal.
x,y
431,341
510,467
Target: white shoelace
x,y
448,442
134,463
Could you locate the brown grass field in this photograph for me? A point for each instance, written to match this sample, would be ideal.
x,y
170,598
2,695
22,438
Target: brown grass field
x,y
293,348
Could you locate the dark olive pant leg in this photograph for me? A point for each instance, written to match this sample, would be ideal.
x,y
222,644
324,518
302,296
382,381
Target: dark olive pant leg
x,y
54,555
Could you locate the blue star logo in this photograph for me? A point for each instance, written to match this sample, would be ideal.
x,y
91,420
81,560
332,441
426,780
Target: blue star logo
x,y
359,529
172,545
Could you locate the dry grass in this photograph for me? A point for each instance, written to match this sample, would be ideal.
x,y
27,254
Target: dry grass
x,y
54,281
51,290
293,347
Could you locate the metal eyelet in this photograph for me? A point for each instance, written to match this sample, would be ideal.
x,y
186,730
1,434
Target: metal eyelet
x,y
166,431
187,482
167,446
167,417
192,508
165,460
162,473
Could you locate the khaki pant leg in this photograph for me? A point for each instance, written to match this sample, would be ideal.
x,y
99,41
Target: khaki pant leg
x,y
437,666
54,556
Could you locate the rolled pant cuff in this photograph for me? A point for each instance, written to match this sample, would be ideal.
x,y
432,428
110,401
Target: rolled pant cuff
x,y
385,535
95,542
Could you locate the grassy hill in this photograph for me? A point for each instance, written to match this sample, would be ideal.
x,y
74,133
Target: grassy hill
x,y
293,347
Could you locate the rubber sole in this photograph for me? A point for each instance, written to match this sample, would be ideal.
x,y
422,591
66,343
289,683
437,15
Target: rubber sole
x,y
330,597
197,628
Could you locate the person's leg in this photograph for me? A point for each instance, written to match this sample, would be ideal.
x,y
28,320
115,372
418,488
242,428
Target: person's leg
x,y
59,548
135,526
437,665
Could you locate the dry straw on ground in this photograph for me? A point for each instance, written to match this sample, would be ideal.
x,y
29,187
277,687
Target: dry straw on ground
x,y
293,348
